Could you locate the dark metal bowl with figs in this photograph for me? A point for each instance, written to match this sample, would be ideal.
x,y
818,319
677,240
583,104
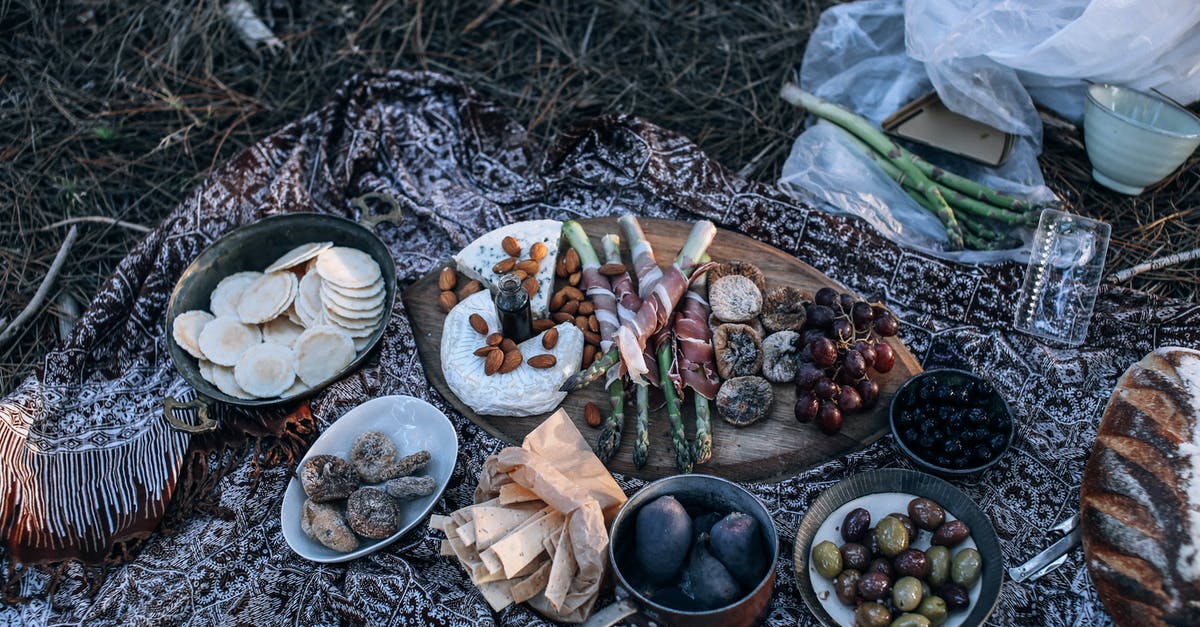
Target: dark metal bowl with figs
x,y
951,422
254,247
722,523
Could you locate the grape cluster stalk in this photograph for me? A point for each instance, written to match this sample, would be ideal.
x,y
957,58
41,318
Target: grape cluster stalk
x,y
843,344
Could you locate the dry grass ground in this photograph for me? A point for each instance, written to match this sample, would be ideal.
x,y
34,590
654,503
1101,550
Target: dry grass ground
x,y
116,109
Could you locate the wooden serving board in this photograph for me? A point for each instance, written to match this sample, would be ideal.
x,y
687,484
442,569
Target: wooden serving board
x,y
774,448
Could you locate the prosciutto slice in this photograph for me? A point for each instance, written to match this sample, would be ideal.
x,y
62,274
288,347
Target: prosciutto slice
x,y
695,362
599,290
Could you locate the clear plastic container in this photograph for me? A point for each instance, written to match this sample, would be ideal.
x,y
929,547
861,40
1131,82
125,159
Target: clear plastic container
x,y
1064,272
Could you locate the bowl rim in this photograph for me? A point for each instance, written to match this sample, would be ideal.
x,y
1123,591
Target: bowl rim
x,y
928,465
174,350
1096,104
641,599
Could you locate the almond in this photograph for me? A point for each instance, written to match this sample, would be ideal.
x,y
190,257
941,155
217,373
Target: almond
x,y
581,323
591,414
531,286
493,361
589,354
542,324
612,269
479,324
560,268
483,351
556,301
572,262
512,359
447,279
586,308
494,339
563,316
543,361
591,338
520,274
447,301
573,293
510,246
529,267
571,307
471,287
538,251
507,345
550,339
574,278
593,323
504,266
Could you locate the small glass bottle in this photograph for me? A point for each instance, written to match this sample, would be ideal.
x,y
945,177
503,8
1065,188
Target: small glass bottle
x,y
512,303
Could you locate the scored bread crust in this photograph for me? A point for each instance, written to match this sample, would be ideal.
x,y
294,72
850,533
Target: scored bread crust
x,y
1140,498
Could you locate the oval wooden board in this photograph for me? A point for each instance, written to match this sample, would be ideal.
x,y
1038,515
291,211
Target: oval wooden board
x,y
772,449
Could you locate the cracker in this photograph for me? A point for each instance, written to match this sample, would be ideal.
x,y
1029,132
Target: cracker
x,y
348,267
308,300
361,343
206,370
266,370
298,387
369,291
351,328
334,298
224,299
186,330
267,297
298,255
281,331
353,314
225,339
322,352
224,380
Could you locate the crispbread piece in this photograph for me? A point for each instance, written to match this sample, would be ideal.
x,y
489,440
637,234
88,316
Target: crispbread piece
x,y
298,255
186,330
308,301
354,303
224,380
223,340
224,299
347,267
281,331
321,353
265,370
267,297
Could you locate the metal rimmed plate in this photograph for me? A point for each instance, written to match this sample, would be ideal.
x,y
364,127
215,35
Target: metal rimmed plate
x,y
413,425
254,247
885,484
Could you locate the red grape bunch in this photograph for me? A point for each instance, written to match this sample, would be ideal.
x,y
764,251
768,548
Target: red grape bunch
x,y
843,343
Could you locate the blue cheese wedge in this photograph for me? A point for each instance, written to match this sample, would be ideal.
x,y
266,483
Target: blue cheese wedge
x,y
526,391
480,256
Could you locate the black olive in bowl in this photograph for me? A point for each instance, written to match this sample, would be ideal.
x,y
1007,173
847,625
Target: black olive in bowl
x,y
951,422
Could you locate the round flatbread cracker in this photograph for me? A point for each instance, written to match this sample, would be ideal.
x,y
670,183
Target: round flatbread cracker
x,y
330,297
293,316
224,299
206,370
298,255
322,353
224,380
225,339
266,370
361,343
348,267
267,297
351,323
353,314
186,330
308,299
369,291
281,331
298,387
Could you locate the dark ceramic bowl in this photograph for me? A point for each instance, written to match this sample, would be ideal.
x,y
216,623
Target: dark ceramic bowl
x,y
995,405
254,247
695,493
886,484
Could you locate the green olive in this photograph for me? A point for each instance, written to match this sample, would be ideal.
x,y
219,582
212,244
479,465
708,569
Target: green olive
x,y
872,615
891,536
933,608
910,620
965,568
939,565
827,559
906,593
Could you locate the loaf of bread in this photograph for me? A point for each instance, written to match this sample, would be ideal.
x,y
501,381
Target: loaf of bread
x,y
1140,497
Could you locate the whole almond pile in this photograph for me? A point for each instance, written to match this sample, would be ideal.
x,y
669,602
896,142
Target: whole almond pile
x,y
569,304
501,355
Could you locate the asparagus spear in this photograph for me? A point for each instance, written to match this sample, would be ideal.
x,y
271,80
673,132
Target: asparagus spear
x,y
683,454
702,447
610,434
596,285
641,441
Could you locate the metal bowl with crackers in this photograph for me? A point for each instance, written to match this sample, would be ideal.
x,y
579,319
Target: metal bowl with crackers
x,y
277,310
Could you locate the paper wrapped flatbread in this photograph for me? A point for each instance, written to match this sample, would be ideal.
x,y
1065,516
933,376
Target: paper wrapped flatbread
x,y
538,532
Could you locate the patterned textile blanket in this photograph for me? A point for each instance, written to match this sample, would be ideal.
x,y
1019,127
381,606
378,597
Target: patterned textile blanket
x,y
90,469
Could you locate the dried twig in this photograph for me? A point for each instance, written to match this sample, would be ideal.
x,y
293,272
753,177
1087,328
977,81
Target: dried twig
x,y
100,219
43,290
1155,264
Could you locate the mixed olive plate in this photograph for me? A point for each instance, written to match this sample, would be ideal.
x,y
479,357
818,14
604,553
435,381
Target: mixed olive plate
x,y
882,492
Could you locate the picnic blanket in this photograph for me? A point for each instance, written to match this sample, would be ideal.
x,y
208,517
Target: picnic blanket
x,y
189,527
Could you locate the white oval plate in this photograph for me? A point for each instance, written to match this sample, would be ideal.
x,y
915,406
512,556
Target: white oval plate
x,y
413,425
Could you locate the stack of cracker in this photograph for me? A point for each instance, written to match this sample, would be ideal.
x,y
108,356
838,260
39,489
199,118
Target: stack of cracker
x,y
538,531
